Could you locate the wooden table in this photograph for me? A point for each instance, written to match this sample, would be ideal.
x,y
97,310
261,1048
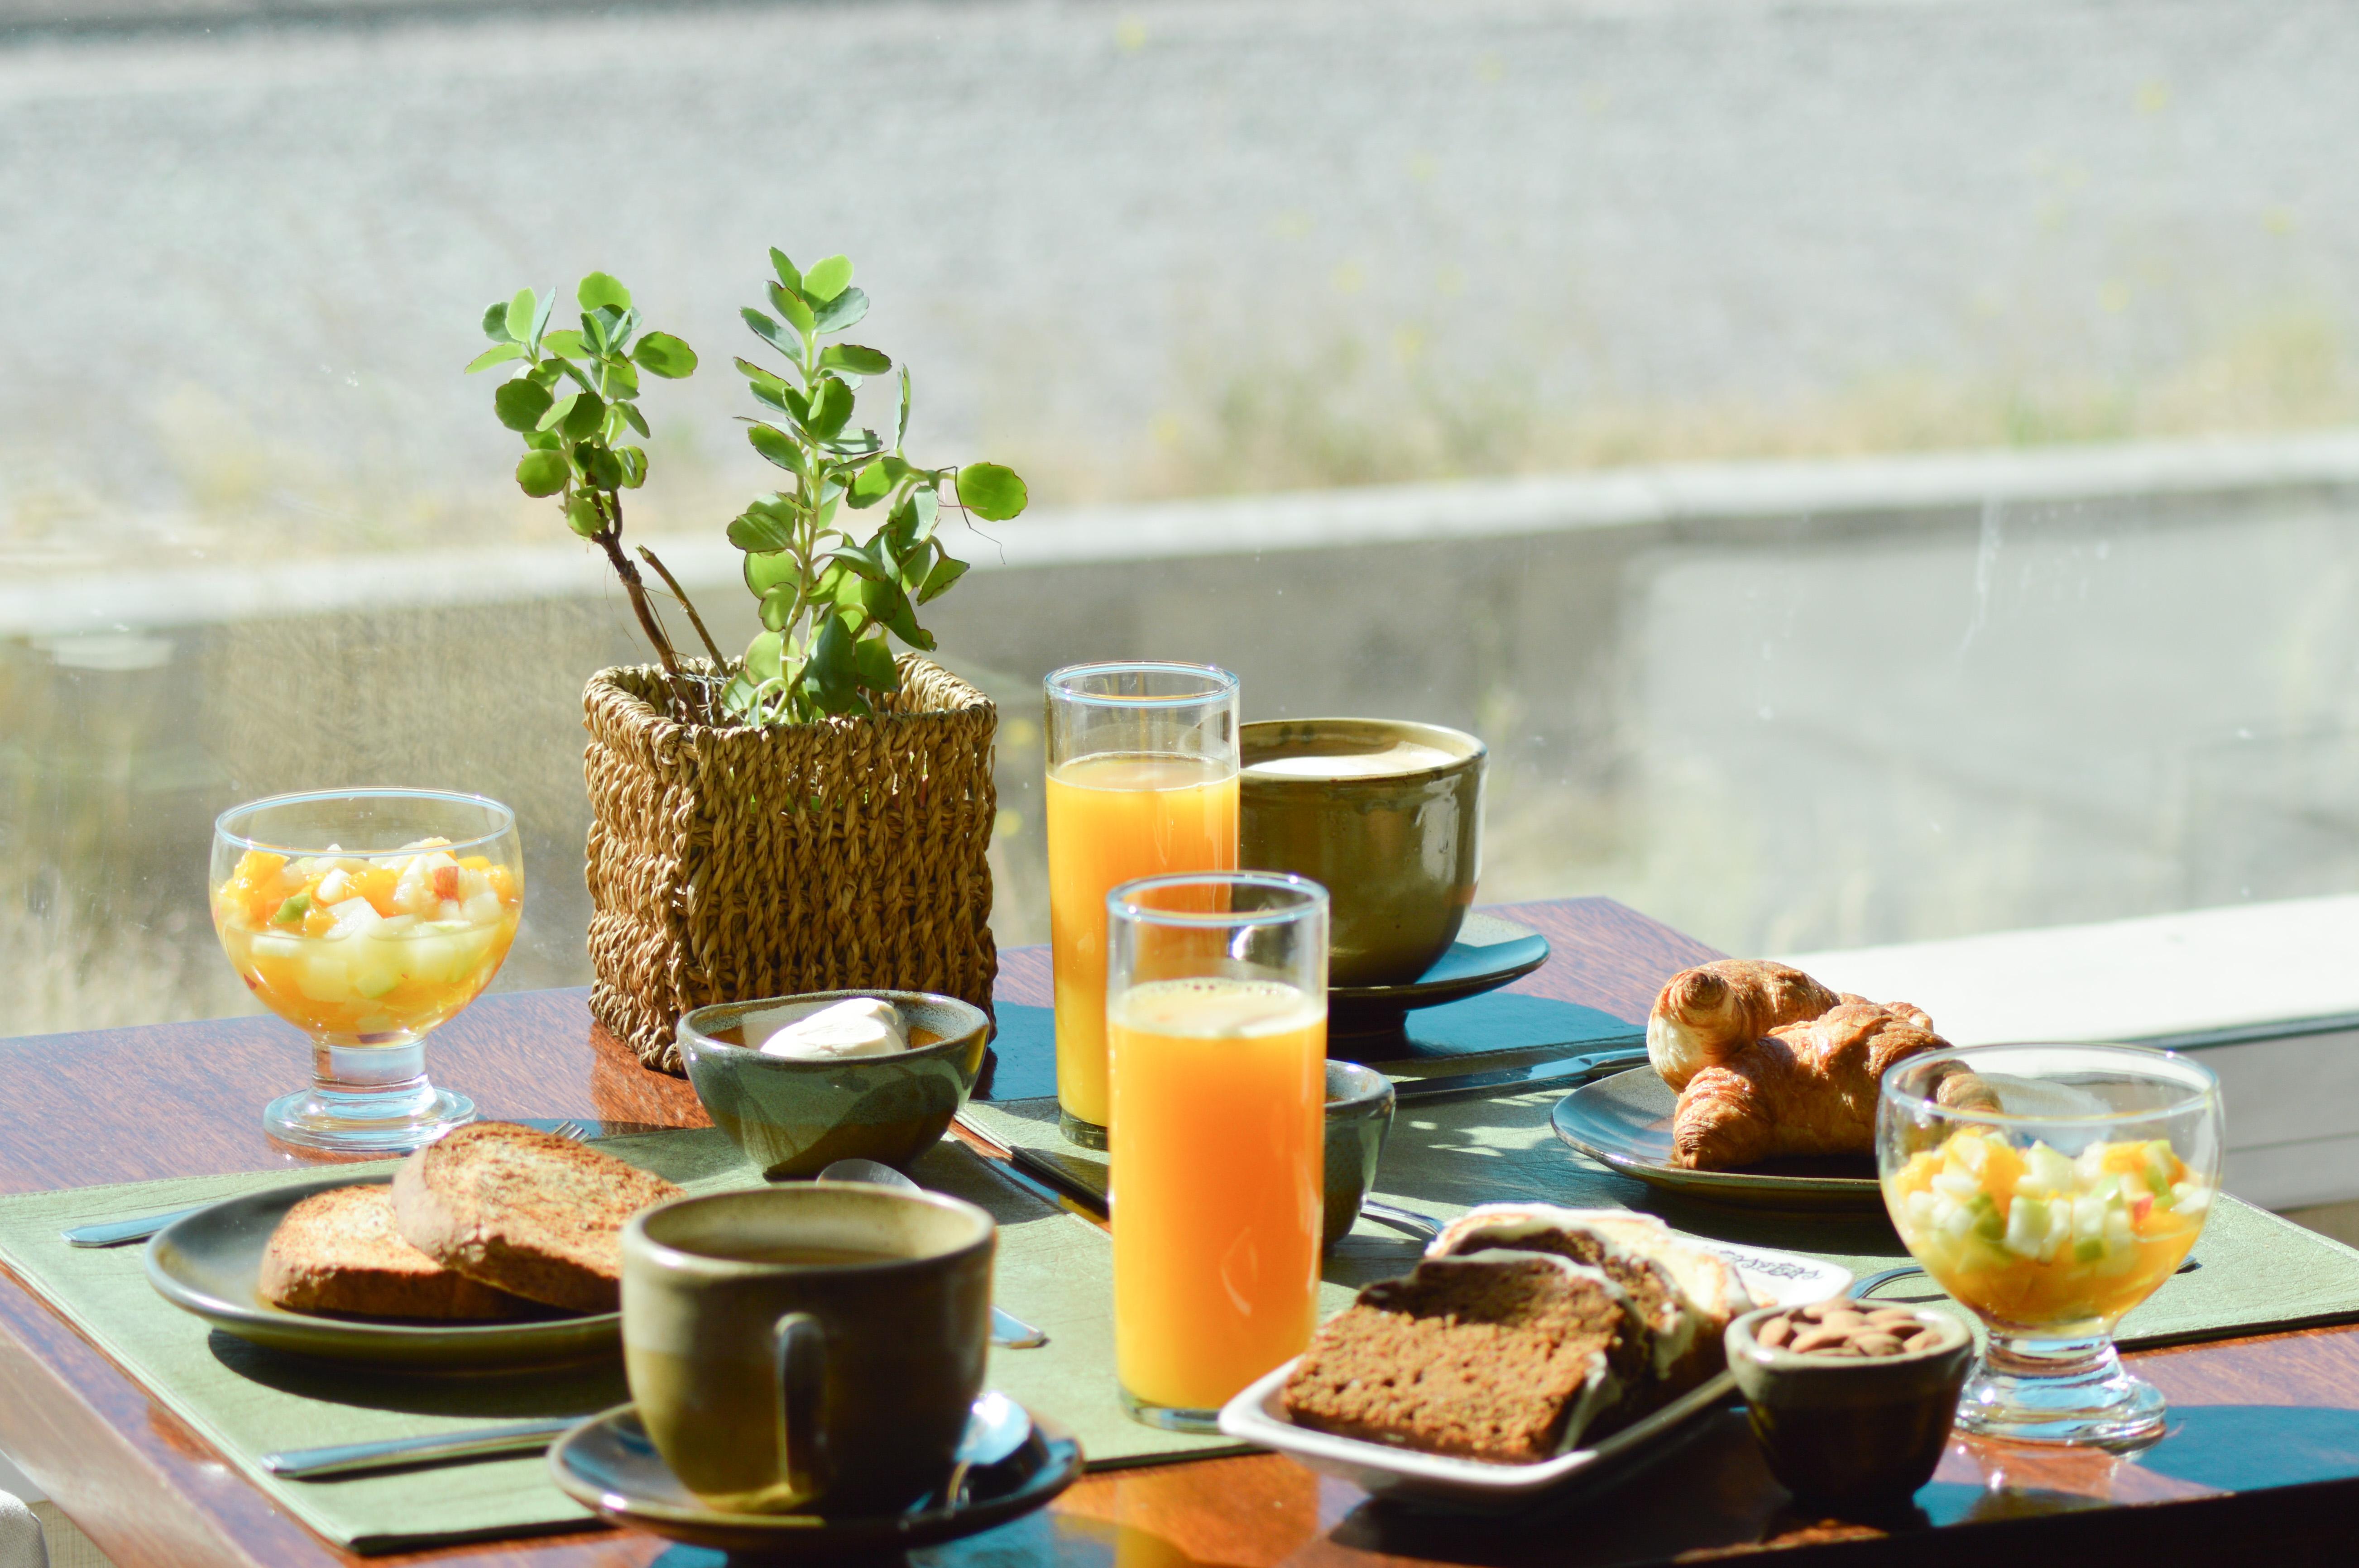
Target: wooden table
x,y
2267,1467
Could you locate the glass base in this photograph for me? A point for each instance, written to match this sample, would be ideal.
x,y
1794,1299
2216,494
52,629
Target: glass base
x,y
1086,1134
2060,1390
1168,1417
366,1099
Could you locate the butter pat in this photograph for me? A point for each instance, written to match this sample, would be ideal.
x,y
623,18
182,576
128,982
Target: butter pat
x,y
862,1026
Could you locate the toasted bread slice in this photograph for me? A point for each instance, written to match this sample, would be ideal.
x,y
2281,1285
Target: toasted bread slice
x,y
527,1212
338,1251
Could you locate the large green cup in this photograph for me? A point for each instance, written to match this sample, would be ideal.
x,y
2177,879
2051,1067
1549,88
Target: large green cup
x,y
1384,814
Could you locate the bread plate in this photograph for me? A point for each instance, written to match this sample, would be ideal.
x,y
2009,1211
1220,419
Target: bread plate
x,y
1624,1123
208,1263
1255,1416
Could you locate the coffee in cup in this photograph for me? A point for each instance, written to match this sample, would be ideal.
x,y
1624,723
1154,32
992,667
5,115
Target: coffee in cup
x,y
808,1348
1386,814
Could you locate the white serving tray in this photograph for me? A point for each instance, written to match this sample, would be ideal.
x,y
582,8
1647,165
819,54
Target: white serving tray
x,y
1775,1279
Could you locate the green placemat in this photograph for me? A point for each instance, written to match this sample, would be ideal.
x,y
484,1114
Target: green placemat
x,y
2259,1272
1054,1269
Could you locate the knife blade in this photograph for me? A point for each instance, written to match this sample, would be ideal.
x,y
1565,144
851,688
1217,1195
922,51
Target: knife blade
x,y
350,1458
1564,1071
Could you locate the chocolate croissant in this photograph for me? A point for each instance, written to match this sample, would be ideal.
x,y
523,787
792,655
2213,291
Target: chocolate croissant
x,y
1709,1013
1801,1088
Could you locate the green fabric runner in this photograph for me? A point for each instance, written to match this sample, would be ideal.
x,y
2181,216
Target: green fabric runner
x,y
2259,1272
1054,1269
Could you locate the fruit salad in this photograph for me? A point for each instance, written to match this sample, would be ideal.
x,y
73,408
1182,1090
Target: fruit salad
x,y
2034,1238
373,951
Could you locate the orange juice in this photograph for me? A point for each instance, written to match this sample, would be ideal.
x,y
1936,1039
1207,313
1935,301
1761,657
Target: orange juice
x,y
1219,1123
1112,818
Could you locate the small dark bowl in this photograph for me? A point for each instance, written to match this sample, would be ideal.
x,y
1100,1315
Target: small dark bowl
x,y
794,1118
1839,1429
1359,1114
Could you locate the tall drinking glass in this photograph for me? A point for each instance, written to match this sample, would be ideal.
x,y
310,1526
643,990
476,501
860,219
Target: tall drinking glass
x,y
1142,782
1216,1017
366,918
2049,1189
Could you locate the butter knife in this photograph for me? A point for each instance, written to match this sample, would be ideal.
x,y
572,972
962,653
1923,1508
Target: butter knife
x,y
1562,1072
351,1458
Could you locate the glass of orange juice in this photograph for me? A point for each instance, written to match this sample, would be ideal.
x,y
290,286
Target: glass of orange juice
x,y
1216,1024
1142,782
2049,1189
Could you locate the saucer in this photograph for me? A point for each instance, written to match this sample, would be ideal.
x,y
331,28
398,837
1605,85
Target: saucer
x,y
608,1466
1366,1023
1624,1123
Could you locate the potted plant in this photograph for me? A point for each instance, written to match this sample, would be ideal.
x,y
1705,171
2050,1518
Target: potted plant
x,y
814,813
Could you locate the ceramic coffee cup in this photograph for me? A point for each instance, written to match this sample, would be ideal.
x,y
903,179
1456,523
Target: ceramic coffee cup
x,y
807,1348
1386,814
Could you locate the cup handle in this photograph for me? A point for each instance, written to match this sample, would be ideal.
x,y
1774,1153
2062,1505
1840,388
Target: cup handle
x,y
799,1349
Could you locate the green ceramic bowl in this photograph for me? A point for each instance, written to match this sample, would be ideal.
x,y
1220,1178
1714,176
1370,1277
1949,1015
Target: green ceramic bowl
x,y
793,1118
1359,1114
1839,1429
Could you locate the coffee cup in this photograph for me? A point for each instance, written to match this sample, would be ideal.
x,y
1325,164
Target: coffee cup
x,y
1386,814
808,1348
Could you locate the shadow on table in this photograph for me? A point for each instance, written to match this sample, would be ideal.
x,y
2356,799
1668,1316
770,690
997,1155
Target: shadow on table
x,y
582,1389
2240,1447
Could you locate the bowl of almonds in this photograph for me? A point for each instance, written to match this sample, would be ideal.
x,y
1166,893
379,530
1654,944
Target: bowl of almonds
x,y
1851,1399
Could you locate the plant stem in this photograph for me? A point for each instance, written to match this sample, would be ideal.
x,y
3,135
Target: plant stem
x,y
681,594
610,539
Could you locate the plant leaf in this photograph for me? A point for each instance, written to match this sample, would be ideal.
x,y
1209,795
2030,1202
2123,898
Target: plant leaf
x,y
775,444
634,466
540,317
901,422
542,473
517,317
764,655
600,467
873,657
831,405
564,341
520,403
496,322
870,485
990,492
787,272
888,606
844,310
823,280
583,420
855,357
498,353
603,288
635,420
790,306
777,605
946,571
616,378
760,531
594,332
831,673
766,573
559,411
662,354
771,332
582,517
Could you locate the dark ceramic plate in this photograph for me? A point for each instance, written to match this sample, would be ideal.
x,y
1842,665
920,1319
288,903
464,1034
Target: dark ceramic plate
x,y
1626,1122
1489,953
608,1466
208,1263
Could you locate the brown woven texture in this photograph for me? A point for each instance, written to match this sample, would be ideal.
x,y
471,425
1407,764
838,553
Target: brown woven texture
x,y
732,862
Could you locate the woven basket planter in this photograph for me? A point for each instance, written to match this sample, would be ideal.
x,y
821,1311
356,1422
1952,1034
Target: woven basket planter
x,y
729,862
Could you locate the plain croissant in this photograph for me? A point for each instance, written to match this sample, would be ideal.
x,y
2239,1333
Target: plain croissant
x,y
1802,1088
1709,1013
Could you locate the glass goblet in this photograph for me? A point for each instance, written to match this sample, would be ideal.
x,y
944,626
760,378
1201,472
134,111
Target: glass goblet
x,y
2049,1189
365,918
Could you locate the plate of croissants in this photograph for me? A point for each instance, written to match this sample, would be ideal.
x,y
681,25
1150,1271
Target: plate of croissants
x,y
1759,1091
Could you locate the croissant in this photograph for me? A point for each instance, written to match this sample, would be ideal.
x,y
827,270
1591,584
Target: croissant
x,y
1803,1088
1708,1013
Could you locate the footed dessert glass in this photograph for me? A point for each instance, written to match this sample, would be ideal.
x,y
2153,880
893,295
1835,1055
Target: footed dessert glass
x,y
365,918
2049,1189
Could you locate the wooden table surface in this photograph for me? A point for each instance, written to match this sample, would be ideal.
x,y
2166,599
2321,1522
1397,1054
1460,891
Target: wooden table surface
x,y
2262,1464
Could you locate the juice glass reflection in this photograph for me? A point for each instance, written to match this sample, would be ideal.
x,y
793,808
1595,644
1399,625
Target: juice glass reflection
x,y
2049,1189
366,918
1142,782
1216,1019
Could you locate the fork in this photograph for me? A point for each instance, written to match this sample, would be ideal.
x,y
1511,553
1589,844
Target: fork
x,y
116,1232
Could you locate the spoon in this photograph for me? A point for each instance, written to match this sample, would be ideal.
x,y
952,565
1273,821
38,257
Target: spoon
x,y
1006,1328
994,1431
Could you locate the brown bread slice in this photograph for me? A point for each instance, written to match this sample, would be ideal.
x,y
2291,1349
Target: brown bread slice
x,y
534,1214
1507,1356
338,1251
